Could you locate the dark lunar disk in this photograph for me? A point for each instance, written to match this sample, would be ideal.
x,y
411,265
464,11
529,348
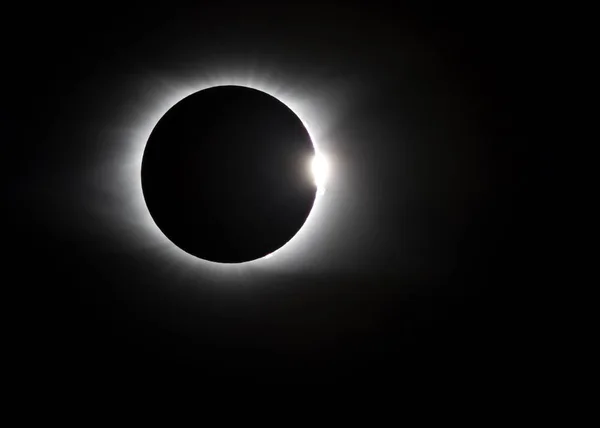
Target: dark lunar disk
x,y
226,175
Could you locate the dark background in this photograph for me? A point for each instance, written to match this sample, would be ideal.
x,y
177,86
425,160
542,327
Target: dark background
x,y
431,254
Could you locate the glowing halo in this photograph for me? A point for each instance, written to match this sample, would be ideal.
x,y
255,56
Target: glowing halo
x,y
136,219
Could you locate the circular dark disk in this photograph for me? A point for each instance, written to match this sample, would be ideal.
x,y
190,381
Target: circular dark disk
x,y
225,174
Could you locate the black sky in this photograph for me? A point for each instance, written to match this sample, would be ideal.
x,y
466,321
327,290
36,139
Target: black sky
x,y
430,244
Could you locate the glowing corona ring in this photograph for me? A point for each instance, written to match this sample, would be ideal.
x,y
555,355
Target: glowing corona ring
x,y
139,222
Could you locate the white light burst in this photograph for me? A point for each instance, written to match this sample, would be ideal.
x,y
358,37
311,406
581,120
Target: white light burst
x,y
320,171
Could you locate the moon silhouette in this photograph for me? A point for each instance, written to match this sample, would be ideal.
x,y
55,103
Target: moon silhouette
x,y
226,174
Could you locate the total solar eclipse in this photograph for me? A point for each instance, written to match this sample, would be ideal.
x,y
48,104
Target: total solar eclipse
x,y
226,174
